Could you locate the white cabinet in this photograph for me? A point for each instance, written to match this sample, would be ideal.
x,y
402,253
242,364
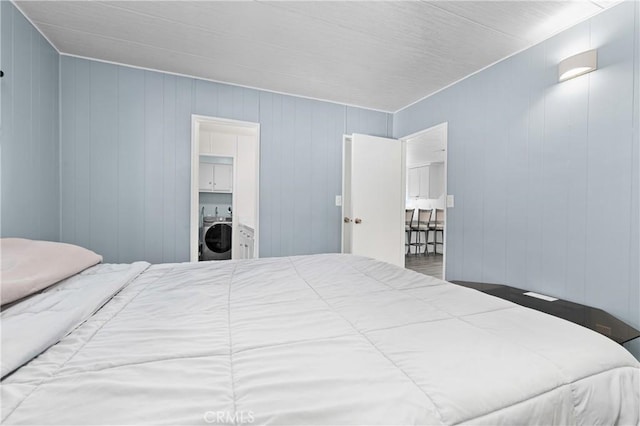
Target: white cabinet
x,y
418,182
205,143
216,143
247,181
245,242
206,177
424,182
413,185
216,177
222,178
436,180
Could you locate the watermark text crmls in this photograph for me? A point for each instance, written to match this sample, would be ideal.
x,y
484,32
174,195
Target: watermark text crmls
x,y
235,417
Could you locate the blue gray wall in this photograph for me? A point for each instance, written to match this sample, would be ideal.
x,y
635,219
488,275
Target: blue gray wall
x,y
29,141
125,161
545,174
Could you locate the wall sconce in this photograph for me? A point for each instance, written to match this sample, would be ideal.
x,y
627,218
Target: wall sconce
x,y
579,64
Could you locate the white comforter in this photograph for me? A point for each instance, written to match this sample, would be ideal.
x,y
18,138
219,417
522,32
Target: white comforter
x,y
328,339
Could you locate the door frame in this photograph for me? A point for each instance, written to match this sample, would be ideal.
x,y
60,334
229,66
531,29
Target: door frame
x,y
346,139
196,121
404,139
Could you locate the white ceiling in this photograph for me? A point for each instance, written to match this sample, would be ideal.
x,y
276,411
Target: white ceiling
x,y
378,54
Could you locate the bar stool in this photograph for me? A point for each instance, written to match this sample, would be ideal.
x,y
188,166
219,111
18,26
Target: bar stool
x,y
408,217
437,226
421,225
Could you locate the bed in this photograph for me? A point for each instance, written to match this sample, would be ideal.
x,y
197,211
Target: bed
x,y
322,339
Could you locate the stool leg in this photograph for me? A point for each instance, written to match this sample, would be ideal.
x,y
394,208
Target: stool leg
x,y
426,242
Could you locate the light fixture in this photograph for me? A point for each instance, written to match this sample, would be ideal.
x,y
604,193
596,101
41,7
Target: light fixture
x,y
579,64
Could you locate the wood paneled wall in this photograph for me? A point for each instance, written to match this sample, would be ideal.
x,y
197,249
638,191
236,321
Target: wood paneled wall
x,y
29,140
125,142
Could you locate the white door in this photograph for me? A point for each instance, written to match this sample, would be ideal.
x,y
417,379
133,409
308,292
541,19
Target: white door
x,y
373,198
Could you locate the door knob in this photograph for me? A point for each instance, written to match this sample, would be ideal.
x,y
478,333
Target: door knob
x,y
358,220
347,220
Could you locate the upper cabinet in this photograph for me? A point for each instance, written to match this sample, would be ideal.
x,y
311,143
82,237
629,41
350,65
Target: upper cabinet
x,y
425,181
418,182
436,180
413,183
222,178
206,178
216,177
219,144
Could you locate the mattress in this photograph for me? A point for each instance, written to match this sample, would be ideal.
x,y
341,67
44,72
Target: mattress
x,y
324,339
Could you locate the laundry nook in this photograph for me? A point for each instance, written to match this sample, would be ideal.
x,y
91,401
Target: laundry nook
x,y
226,160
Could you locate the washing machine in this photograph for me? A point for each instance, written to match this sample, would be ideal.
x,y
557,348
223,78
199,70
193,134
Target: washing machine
x,y
216,240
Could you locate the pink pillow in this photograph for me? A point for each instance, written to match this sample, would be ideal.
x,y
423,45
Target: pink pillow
x,y
28,266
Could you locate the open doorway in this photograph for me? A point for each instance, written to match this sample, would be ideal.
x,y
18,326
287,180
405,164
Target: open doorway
x,y
225,161
426,200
